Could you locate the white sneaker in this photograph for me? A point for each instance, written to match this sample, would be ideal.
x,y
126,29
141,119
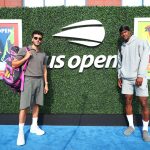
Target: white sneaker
x,y
36,130
20,139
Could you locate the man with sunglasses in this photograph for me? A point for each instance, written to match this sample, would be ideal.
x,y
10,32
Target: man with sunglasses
x,y
34,86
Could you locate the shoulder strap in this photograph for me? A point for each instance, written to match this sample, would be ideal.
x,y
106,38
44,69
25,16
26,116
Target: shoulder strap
x,y
26,63
23,71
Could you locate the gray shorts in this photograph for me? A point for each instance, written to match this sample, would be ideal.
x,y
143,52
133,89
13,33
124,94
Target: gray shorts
x,y
32,93
128,87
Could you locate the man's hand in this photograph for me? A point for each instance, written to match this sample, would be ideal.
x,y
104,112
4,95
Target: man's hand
x,y
46,89
28,54
120,83
17,63
139,81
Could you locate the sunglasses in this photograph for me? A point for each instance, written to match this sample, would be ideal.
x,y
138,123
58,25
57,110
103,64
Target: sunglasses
x,y
36,38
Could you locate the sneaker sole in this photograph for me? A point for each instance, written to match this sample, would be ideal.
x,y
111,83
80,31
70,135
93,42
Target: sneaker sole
x,y
36,133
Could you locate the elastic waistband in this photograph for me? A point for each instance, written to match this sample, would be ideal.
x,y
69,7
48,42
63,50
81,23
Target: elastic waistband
x,y
35,77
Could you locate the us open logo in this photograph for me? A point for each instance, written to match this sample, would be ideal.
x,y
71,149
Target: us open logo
x,y
89,33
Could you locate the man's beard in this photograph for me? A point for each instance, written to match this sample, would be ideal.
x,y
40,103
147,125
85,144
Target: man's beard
x,y
36,45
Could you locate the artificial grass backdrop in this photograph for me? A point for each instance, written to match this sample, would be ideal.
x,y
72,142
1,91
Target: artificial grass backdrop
x,y
94,91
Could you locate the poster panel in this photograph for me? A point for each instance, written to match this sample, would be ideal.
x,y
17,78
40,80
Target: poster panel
x,y
10,35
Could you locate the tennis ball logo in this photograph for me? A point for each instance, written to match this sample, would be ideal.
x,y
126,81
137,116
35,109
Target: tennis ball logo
x,y
90,33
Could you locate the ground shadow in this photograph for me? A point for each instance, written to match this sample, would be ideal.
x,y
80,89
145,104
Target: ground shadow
x,y
48,98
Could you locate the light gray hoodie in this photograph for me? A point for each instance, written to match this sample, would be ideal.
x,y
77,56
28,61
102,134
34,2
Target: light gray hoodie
x,y
133,59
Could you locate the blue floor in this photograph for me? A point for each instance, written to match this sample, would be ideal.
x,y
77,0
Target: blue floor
x,y
73,138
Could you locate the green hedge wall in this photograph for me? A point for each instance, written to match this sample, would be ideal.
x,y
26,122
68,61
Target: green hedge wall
x,y
95,90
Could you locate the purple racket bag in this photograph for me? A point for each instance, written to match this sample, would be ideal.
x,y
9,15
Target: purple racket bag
x,y
14,77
